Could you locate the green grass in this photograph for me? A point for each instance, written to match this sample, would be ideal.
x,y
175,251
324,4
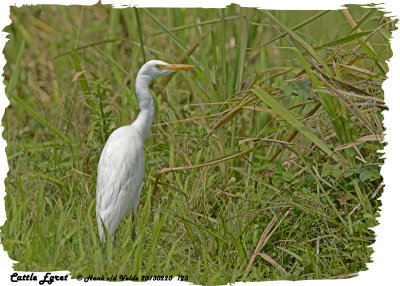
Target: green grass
x,y
273,140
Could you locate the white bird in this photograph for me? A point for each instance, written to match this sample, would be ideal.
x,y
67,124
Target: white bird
x,y
121,167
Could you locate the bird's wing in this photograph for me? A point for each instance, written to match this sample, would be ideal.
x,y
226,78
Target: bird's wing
x,y
119,176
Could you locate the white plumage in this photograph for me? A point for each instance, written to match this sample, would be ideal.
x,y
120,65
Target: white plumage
x,y
121,167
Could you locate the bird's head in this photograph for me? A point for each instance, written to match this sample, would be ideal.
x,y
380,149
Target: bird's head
x,y
156,68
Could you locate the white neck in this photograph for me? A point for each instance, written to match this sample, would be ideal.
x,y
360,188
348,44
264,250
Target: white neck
x,y
145,118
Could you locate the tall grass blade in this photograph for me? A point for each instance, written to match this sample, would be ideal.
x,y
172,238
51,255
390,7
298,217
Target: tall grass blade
x,y
363,41
204,23
112,32
185,220
370,51
39,118
301,42
139,28
266,235
361,196
293,121
313,262
203,57
345,40
298,26
368,15
169,33
78,69
224,64
274,263
216,235
16,72
138,258
157,226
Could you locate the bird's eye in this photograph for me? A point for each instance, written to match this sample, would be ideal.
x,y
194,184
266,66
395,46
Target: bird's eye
x,y
158,67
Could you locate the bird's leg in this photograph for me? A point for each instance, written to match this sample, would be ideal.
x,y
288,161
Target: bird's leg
x,y
133,235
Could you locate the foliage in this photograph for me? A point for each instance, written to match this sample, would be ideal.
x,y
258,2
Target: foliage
x,y
273,140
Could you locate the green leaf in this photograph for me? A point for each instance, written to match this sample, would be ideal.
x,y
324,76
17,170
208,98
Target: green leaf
x,y
287,88
279,167
287,176
277,83
371,175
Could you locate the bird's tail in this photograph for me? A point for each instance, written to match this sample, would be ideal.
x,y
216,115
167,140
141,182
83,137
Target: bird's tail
x,y
102,228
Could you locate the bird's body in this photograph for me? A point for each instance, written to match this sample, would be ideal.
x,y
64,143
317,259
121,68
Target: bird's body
x,y
119,178
121,167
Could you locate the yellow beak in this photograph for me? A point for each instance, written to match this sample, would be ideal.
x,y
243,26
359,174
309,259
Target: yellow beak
x,y
176,67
